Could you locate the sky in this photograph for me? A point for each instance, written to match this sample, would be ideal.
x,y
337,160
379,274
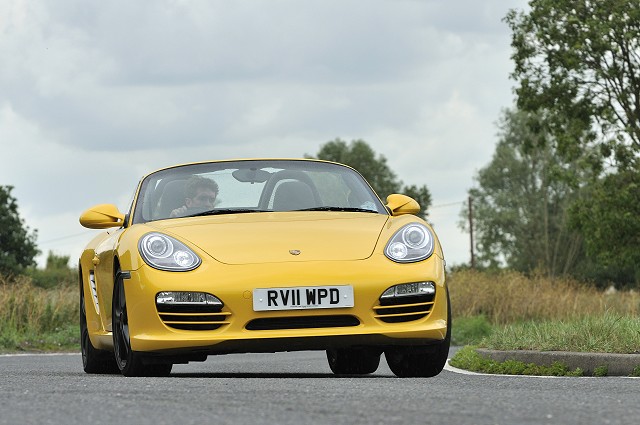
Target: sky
x,y
95,94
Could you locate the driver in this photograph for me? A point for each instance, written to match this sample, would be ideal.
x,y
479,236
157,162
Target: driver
x,y
200,196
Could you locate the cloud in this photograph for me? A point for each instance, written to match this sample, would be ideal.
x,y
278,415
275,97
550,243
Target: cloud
x,y
96,94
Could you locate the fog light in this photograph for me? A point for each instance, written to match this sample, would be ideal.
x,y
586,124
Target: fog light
x,y
409,289
190,298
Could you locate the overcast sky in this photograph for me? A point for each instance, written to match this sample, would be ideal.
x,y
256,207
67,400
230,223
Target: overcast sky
x,y
95,94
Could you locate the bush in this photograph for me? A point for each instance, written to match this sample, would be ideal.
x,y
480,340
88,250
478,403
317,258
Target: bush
x,y
52,278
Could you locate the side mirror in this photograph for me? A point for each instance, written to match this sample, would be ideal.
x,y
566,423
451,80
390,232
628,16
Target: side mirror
x,y
402,204
102,216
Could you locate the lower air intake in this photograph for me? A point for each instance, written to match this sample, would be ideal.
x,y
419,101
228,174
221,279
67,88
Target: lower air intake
x,y
303,322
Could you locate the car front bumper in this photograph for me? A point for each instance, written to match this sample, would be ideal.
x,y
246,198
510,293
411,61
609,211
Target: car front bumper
x,y
234,284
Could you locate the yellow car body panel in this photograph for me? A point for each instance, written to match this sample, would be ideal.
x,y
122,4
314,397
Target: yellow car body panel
x,y
272,266
268,237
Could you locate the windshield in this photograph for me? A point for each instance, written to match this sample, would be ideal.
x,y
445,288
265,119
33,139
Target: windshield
x,y
253,186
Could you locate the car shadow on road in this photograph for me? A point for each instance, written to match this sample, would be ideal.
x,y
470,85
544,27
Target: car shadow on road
x,y
246,375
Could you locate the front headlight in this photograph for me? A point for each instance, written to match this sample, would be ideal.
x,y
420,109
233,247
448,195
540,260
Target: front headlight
x,y
414,242
166,253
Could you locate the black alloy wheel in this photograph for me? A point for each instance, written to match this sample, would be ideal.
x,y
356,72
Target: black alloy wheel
x,y
421,362
129,362
353,361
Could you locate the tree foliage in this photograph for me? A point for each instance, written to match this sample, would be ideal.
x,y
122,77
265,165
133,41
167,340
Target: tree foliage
x,y
607,215
580,59
56,272
359,155
577,63
521,202
57,262
17,243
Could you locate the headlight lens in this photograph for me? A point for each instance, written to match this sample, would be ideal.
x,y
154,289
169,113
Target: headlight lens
x,y
414,242
166,253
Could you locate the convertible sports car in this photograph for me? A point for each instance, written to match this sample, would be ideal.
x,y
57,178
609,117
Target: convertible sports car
x,y
262,256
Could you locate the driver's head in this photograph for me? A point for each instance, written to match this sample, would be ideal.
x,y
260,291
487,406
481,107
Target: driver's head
x,y
200,192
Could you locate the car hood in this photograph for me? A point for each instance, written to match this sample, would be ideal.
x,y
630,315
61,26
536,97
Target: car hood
x,y
280,237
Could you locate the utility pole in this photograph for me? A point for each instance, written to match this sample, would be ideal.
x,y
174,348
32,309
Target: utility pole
x,y
473,257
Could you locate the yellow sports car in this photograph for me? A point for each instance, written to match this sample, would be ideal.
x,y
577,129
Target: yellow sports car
x,y
262,256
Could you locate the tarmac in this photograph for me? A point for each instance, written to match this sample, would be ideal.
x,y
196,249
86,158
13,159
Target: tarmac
x,y
617,364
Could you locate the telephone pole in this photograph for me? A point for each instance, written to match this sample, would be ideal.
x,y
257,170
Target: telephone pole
x,y
473,257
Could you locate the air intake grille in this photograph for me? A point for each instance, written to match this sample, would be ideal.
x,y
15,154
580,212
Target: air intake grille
x,y
404,309
193,317
302,322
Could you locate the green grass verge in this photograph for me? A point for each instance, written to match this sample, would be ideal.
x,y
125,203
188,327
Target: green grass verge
x,y
609,333
470,330
467,358
62,339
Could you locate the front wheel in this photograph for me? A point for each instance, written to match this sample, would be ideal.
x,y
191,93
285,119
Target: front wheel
x,y
421,362
129,362
353,361
409,362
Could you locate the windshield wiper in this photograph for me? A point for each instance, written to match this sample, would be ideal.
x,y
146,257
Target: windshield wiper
x,y
342,209
221,211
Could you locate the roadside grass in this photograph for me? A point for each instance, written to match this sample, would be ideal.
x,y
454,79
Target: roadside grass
x,y
468,359
470,330
65,338
609,333
509,311
38,319
507,297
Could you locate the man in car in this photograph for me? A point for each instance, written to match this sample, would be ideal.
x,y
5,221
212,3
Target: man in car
x,y
200,196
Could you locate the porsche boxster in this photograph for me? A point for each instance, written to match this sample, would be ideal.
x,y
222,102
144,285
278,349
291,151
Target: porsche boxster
x,y
266,255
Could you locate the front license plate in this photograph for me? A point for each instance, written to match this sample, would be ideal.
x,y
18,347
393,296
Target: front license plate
x,y
268,299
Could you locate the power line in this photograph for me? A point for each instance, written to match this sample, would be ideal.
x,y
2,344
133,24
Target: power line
x,y
63,238
447,205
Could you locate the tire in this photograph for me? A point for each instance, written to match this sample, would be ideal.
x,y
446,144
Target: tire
x,y
129,362
421,362
93,360
353,361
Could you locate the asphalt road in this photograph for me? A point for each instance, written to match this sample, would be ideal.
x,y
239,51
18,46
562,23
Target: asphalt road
x,y
298,388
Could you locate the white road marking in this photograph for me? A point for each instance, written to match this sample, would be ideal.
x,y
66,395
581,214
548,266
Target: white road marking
x,y
450,368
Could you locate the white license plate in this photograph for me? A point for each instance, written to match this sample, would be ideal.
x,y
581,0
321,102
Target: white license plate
x,y
268,299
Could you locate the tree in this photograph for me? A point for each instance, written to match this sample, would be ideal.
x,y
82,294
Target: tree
x,y
359,155
580,60
607,215
57,262
17,244
56,272
521,202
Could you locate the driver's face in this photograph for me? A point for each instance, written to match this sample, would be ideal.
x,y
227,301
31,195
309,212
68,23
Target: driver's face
x,y
204,199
